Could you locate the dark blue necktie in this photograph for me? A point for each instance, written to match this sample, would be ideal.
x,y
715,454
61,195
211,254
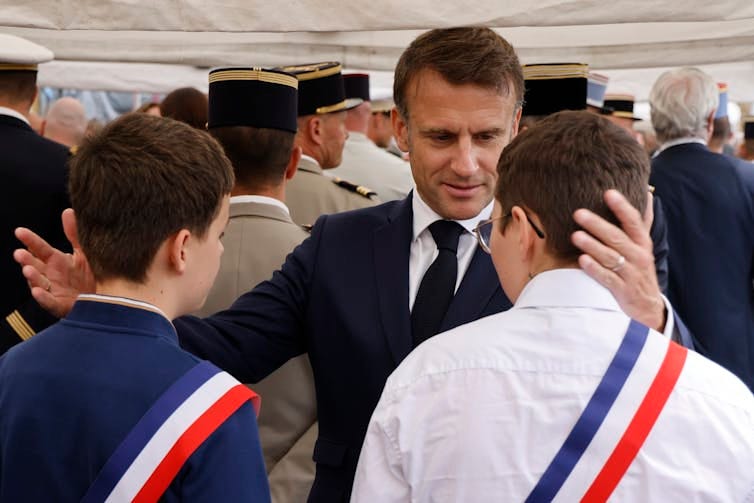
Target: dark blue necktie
x,y
438,284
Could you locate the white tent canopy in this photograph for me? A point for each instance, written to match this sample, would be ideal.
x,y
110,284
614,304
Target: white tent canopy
x,y
629,41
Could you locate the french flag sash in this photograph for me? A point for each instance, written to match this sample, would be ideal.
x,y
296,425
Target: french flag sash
x,y
593,416
153,452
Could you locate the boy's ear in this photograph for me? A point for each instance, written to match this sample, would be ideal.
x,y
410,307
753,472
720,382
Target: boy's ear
x,y
177,247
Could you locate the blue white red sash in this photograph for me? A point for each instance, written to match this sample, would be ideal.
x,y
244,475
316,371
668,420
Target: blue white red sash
x,y
153,452
593,416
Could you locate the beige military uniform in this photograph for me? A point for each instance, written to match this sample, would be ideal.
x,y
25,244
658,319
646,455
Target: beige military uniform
x,y
367,164
311,193
258,238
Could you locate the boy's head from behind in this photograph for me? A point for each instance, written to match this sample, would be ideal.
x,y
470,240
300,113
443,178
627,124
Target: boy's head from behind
x,y
141,181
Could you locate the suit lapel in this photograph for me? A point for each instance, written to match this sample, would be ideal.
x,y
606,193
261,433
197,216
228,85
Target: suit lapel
x,y
392,245
477,287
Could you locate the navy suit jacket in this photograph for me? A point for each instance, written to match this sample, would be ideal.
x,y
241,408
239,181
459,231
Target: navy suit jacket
x,y
341,296
710,218
33,190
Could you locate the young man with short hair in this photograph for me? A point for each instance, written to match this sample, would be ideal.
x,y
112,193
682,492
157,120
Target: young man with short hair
x,y
562,395
104,405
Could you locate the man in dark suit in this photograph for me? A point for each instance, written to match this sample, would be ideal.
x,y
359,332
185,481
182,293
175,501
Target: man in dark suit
x,y
371,284
710,217
33,185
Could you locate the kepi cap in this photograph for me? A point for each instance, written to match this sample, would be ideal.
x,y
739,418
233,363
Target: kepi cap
x,y
620,105
596,88
19,54
553,87
255,97
320,88
356,85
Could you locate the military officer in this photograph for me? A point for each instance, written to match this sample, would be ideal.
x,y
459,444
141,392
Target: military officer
x,y
363,161
32,184
321,135
252,113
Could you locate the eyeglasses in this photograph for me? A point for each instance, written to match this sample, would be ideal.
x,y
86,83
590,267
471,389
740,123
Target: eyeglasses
x,y
483,230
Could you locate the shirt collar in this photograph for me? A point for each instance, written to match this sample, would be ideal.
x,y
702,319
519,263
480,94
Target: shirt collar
x,y
424,215
14,113
253,198
565,288
679,141
310,159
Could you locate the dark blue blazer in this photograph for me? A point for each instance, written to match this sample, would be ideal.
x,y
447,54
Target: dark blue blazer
x,y
33,178
342,296
710,217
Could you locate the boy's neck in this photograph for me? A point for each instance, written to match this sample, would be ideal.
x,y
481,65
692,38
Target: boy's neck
x,y
144,292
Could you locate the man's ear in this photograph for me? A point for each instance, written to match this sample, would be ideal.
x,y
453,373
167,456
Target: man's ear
x,y
292,166
314,128
70,227
526,234
400,129
516,121
177,248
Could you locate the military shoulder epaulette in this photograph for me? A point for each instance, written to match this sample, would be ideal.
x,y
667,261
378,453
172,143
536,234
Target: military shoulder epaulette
x,y
359,189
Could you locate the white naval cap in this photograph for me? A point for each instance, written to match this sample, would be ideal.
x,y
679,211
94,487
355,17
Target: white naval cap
x,y
19,54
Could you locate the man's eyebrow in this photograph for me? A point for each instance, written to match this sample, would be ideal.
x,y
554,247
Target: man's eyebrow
x,y
493,130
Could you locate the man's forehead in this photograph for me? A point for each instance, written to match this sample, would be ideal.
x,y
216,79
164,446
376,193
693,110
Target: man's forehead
x,y
425,79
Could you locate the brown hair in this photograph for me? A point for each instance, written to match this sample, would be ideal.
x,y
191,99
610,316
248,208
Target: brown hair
x,y
187,105
140,180
469,55
18,86
259,155
565,162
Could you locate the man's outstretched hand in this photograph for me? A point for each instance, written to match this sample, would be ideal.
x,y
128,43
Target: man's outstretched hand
x,y
55,278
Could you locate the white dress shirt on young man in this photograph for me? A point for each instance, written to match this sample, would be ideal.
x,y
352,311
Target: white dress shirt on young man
x,y
479,412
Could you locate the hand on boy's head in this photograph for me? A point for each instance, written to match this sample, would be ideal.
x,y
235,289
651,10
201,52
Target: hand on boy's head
x,y
55,278
621,260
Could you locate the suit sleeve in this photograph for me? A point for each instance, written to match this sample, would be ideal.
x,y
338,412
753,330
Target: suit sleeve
x,y
265,327
659,234
229,465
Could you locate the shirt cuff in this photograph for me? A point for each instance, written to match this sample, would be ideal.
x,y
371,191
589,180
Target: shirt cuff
x,y
670,330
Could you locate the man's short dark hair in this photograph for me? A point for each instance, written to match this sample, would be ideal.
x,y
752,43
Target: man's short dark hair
x,y
18,86
469,55
565,162
139,181
259,155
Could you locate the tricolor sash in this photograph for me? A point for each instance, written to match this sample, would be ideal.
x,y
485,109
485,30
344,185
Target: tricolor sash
x,y
153,452
597,409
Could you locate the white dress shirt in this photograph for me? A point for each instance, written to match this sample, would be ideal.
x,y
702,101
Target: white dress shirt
x,y
424,249
478,413
13,113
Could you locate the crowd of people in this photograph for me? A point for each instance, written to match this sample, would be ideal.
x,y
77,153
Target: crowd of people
x,y
483,288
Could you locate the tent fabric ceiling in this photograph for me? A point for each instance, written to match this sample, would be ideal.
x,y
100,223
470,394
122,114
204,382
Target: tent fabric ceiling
x,y
632,38
354,15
